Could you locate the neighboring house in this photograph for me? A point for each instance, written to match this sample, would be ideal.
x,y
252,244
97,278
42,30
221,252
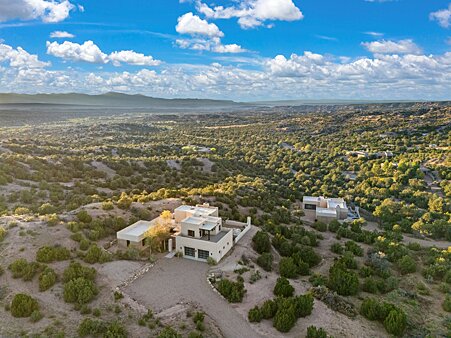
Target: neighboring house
x,y
202,234
325,209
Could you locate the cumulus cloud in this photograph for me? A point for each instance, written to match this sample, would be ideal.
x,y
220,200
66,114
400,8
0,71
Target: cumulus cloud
x,y
193,25
253,13
61,35
132,58
91,53
443,17
392,47
20,58
205,36
45,10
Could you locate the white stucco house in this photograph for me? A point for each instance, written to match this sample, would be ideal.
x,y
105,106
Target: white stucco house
x,y
199,233
324,209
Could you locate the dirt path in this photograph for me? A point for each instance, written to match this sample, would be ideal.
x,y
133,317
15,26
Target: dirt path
x,y
176,280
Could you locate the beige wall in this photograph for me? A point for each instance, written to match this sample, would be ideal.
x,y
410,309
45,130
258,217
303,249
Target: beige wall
x,y
217,250
135,245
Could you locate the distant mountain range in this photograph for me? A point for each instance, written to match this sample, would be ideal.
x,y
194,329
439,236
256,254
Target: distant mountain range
x,y
111,100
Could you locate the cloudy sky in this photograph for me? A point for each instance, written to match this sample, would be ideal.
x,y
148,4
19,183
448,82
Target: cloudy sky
x,y
229,49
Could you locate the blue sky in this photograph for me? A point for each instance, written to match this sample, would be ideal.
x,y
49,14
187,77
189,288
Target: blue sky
x,y
241,49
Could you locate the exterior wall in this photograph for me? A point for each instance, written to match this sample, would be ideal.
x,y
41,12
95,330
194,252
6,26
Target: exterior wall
x,y
180,215
325,219
311,214
135,245
189,226
342,212
217,250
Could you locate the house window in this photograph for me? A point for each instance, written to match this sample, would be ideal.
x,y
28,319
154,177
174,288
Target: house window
x,y
203,254
191,233
190,251
310,206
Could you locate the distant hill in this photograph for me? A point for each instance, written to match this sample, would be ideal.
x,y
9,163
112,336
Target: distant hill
x,y
111,100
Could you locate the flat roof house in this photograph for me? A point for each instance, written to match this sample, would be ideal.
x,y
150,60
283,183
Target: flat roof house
x,y
133,236
202,234
324,209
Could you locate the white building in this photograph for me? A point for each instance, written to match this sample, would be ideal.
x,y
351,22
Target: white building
x,y
133,236
202,234
324,209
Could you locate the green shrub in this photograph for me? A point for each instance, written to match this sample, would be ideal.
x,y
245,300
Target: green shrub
x,y
447,303
354,248
287,267
95,255
395,323
265,261
370,309
255,315
76,270
84,217
84,244
285,319
407,265
370,285
283,288
49,254
79,291
318,280
3,233
107,205
268,309
20,268
320,226
261,242
304,305
348,260
334,226
169,332
313,332
36,316
232,291
23,305
47,279
336,248
303,268
345,283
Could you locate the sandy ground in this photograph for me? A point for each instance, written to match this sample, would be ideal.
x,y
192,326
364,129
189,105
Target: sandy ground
x,y
174,165
207,164
103,167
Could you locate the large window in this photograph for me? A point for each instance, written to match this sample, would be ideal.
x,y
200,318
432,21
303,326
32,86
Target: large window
x,y
203,254
310,206
190,251
191,233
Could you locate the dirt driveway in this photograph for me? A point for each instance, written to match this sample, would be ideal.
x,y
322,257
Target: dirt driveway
x,y
176,280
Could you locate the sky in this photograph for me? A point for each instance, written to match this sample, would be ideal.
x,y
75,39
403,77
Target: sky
x,y
244,50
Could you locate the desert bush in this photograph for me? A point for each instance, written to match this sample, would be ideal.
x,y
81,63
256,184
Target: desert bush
x,y
395,323
46,209
354,248
20,268
232,291
99,328
268,309
447,303
96,255
79,291
36,316
348,260
76,270
407,265
84,217
169,332
314,332
23,305
334,226
49,254
261,242
124,201
52,220
283,288
303,305
47,279
107,205
336,248
284,319
287,267
371,309
3,233
255,315
370,285
344,282
320,226
265,261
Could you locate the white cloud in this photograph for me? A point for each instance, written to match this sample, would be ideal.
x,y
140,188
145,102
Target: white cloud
x,y
132,58
231,48
20,58
87,52
375,34
193,25
91,53
45,10
61,35
442,16
253,13
212,45
392,47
